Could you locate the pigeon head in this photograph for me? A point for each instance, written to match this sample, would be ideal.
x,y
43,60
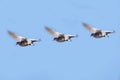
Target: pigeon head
x,y
92,34
55,38
17,43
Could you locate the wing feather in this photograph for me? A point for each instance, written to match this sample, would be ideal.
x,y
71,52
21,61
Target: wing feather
x,y
92,29
53,32
17,37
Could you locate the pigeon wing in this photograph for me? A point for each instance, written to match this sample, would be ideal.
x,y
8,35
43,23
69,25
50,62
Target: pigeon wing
x,y
92,29
53,32
17,37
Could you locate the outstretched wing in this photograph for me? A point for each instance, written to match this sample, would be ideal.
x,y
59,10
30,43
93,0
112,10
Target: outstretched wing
x,y
17,37
53,32
92,29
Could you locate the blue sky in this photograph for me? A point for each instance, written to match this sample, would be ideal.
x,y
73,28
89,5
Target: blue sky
x,y
84,58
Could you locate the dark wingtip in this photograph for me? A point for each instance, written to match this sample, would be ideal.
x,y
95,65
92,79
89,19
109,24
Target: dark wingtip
x,y
39,40
10,32
46,27
84,24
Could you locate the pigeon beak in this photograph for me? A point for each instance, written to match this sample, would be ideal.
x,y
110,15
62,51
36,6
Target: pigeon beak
x,y
54,39
91,35
16,43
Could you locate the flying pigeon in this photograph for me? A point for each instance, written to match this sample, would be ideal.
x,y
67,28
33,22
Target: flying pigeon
x,y
60,37
97,33
22,41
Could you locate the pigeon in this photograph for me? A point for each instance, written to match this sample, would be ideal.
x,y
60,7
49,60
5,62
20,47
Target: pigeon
x,y
22,41
60,37
97,33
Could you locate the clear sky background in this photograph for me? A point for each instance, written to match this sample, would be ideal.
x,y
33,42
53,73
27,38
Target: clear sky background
x,y
85,58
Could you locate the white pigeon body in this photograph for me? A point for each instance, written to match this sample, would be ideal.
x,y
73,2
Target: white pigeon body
x,y
22,41
97,33
60,37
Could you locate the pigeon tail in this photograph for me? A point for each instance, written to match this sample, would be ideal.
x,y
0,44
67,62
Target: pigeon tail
x,y
73,36
113,31
37,40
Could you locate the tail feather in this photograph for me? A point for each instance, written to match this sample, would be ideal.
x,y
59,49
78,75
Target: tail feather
x,y
36,40
73,36
111,32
